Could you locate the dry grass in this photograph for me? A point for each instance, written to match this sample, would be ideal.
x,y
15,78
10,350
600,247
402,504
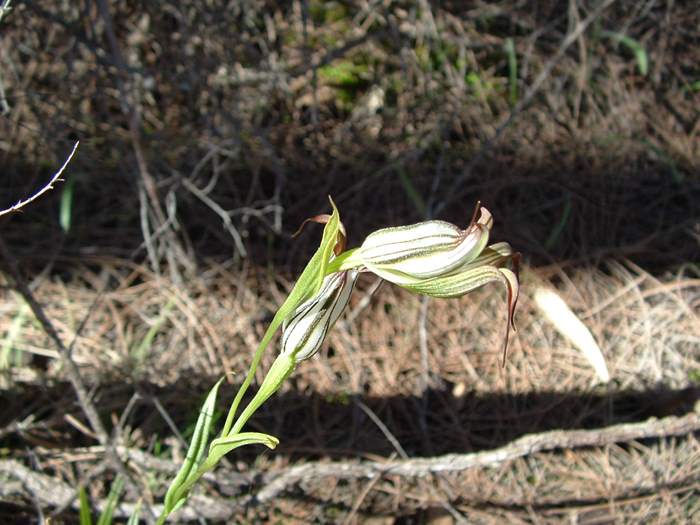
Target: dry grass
x,y
647,329
250,116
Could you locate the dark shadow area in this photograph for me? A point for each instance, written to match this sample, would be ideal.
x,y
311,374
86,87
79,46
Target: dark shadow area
x,y
602,162
553,213
311,426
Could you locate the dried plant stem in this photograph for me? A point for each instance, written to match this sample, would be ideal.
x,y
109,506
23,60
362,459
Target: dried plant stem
x,y
526,445
48,186
208,507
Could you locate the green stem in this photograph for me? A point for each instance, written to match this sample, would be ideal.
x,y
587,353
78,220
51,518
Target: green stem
x,y
274,325
345,261
280,370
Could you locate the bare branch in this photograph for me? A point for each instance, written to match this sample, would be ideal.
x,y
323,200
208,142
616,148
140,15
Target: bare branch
x,y
52,492
216,208
47,187
276,482
526,445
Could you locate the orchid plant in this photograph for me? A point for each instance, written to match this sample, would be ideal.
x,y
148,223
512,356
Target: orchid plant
x,y
432,258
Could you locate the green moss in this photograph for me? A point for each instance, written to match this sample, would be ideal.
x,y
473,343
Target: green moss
x,y
344,74
327,12
694,376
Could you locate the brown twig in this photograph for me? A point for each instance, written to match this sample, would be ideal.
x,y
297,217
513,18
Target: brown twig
x,y
526,445
48,186
51,492
131,109
209,507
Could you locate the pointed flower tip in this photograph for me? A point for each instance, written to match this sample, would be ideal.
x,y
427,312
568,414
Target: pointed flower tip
x,y
485,218
325,218
439,259
513,287
303,333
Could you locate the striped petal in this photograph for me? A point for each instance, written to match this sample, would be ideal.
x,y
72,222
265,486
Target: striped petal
x,y
304,332
424,250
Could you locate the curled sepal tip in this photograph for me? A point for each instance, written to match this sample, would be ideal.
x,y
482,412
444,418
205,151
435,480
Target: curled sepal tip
x,y
483,270
325,218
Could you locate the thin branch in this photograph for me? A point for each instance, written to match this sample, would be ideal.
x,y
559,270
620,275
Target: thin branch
x,y
71,368
384,429
47,187
216,208
525,446
53,492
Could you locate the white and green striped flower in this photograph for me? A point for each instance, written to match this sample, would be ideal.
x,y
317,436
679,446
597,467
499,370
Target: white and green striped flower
x,y
304,332
439,259
406,254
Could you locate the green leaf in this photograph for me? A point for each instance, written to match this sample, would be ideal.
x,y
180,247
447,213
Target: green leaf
x,y
222,446
85,517
145,345
112,499
559,227
66,207
195,452
512,71
634,46
134,518
308,284
412,193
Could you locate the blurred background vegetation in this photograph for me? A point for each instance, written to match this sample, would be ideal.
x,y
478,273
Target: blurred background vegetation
x,y
209,130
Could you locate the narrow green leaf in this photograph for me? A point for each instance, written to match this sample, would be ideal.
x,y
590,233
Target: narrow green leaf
x,y
65,213
85,516
559,227
112,499
145,345
635,47
412,193
197,448
222,446
134,518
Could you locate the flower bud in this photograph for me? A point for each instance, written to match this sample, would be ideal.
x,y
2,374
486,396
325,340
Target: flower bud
x,y
304,332
427,249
